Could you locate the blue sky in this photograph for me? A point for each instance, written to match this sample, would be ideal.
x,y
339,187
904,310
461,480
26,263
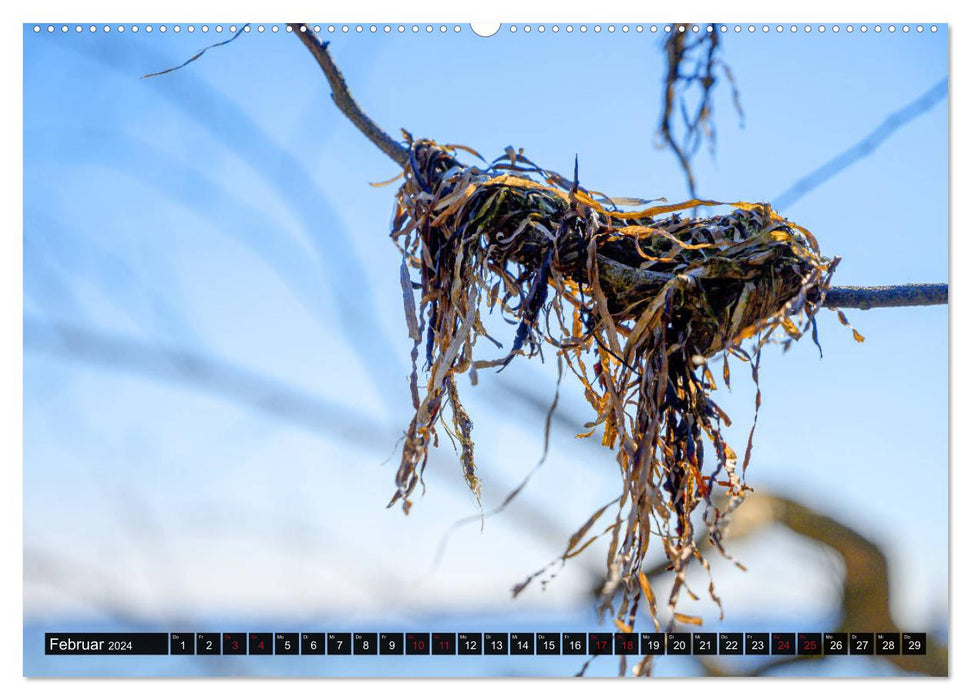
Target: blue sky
x,y
224,210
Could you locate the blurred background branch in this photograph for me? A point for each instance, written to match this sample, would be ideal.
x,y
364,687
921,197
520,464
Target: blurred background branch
x,y
863,148
865,600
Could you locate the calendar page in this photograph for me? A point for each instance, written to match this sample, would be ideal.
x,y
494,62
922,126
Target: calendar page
x,y
437,349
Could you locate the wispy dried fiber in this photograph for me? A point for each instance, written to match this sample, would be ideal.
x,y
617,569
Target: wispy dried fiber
x,y
635,303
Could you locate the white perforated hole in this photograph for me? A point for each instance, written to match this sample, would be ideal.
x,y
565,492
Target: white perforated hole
x,y
485,29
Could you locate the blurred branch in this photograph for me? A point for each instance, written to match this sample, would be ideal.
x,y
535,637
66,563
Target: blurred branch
x,y
333,261
883,297
865,603
78,579
342,96
854,153
84,582
253,390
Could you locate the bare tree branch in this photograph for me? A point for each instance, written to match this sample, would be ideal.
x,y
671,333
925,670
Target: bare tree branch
x,y
836,297
865,602
200,372
883,297
342,96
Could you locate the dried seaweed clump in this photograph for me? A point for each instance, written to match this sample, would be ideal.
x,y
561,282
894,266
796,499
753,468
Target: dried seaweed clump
x,y
635,303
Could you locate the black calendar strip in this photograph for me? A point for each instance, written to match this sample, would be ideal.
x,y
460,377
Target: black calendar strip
x,y
486,643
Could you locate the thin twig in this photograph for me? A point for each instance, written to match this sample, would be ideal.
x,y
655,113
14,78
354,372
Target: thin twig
x,y
342,96
836,297
883,297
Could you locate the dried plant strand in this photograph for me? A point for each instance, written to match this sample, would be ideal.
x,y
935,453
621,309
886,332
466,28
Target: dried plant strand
x,y
692,60
634,303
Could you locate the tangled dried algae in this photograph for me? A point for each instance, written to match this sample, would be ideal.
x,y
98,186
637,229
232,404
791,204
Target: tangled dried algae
x,y
635,305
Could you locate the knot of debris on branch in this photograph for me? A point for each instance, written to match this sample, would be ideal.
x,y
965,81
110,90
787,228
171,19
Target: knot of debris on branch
x,y
635,297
